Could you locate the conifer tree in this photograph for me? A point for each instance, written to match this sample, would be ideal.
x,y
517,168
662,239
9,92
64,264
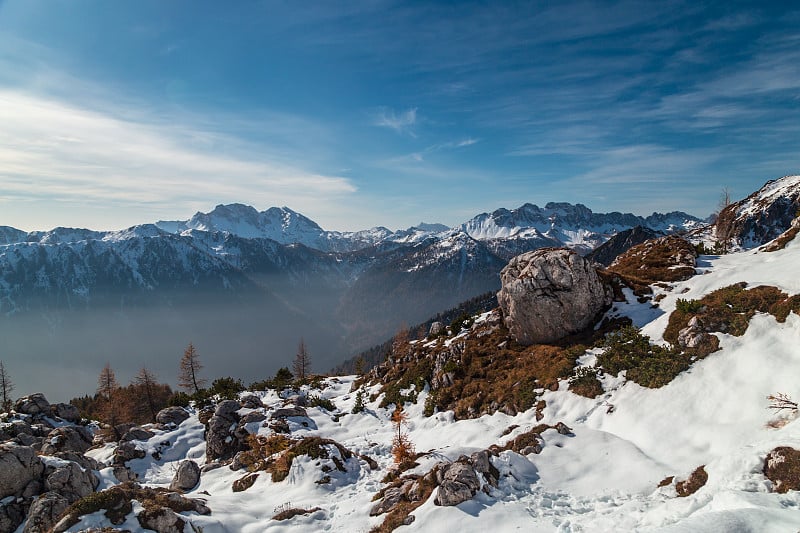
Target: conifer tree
x,y
108,397
189,376
302,362
402,447
6,387
146,382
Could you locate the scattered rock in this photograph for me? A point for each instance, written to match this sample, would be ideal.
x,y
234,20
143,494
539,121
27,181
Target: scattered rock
x,y
252,416
70,481
161,519
221,442
244,483
548,294
436,329
391,497
19,465
172,415
123,474
563,429
35,404
137,433
187,477
66,412
45,512
782,467
12,514
285,412
67,439
251,401
127,451
457,483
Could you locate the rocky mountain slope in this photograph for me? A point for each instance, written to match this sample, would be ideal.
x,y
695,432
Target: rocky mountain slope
x,y
674,413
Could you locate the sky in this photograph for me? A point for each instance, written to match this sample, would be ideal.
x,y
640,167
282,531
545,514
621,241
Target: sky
x,y
360,114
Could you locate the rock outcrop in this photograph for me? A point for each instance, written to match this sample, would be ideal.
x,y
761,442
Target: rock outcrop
x,y
549,294
221,442
67,439
19,466
172,415
187,476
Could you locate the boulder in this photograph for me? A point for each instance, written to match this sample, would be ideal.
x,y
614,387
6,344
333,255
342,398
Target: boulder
x,y
391,497
70,481
137,433
35,404
65,411
187,476
161,519
286,412
19,466
172,415
457,483
67,439
127,451
436,329
548,294
45,512
122,473
251,401
12,514
220,439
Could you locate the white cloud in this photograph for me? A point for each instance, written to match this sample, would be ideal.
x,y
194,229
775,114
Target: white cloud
x,y
55,151
399,122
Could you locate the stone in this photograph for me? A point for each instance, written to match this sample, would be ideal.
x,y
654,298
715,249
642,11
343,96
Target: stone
x,y
12,515
19,465
563,429
286,412
172,415
35,404
45,512
162,520
75,457
127,451
244,483
67,439
391,497
251,401
137,433
436,329
548,294
187,477
123,473
253,416
65,411
71,481
221,442
482,464
457,483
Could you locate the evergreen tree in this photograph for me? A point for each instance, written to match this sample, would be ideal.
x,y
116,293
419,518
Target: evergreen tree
x,y
146,402
6,386
190,367
108,396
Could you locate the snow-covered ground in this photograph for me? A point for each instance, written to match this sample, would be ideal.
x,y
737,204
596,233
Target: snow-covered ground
x,y
602,477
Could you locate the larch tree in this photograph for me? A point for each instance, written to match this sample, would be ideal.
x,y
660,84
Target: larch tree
x,y
108,396
6,387
146,402
402,447
302,362
189,376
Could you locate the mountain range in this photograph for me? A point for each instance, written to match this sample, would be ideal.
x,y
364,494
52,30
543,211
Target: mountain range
x,y
235,280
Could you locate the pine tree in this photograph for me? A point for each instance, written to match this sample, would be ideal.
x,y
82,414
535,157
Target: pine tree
x,y
108,397
6,386
302,362
146,382
189,378
402,447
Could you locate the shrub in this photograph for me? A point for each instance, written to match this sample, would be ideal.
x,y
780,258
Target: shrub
x,y
360,405
646,364
585,382
316,400
179,399
688,306
226,388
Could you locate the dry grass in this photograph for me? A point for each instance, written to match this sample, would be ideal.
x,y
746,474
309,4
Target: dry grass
x,y
665,259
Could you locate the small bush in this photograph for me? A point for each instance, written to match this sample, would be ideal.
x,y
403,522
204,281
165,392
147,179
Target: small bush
x,y
226,388
585,382
316,400
179,399
688,306
360,405
648,365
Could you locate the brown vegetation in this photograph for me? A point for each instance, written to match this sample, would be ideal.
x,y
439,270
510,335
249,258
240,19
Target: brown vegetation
x,y
665,259
695,481
782,467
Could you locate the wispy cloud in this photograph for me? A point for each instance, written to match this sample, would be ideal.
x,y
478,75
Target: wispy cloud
x,y
400,122
59,152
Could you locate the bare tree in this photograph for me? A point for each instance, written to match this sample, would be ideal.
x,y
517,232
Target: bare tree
x,y
189,378
108,396
147,383
6,386
302,362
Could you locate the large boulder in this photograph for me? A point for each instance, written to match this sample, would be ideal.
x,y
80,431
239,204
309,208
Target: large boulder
x,y
35,404
548,294
12,513
161,519
19,465
67,439
66,412
45,512
221,442
187,476
71,481
172,415
458,483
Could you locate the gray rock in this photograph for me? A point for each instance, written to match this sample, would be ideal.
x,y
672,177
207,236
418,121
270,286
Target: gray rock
x,y
391,497
187,477
66,412
693,335
172,415
162,520
45,512
67,439
563,429
35,404
19,465
436,329
75,457
137,433
251,401
127,451
221,442
123,473
253,416
227,409
548,294
11,515
71,481
458,484
286,412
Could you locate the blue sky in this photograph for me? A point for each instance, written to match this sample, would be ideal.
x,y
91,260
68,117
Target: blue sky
x,y
386,113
